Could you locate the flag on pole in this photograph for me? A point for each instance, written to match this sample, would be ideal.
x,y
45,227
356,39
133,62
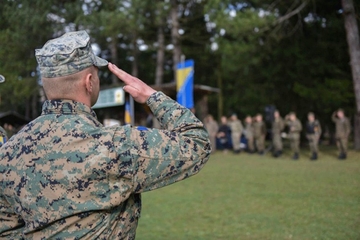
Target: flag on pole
x,y
128,113
185,83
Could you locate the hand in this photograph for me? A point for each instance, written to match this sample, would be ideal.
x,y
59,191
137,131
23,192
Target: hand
x,y
139,90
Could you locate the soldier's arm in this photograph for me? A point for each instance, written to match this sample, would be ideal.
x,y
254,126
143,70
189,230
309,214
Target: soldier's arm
x,y
162,157
152,157
11,224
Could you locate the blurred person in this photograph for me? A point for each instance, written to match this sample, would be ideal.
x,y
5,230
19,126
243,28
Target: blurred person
x,y
259,133
313,133
10,131
249,134
3,136
342,132
212,127
295,128
278,126
67,176
236,128
223,135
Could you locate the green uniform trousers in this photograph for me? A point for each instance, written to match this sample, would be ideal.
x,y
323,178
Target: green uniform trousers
x,y
313,142
277,142
260,143
342,144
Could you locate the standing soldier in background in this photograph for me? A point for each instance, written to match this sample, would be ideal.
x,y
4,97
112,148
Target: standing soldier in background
x,y
343,128
295,128
278,126
223,136
313,133
259,133
212,127
3,136
249,134
236,130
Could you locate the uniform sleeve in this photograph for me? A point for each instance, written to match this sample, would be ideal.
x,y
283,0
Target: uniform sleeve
x,y
11,224
162,157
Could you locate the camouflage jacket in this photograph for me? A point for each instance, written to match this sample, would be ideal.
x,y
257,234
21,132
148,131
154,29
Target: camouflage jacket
x,y
342,127
65,176
259,129
236,126
278,126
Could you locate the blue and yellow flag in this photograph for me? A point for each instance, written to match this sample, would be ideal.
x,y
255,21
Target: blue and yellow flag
x,y
128,113
185,83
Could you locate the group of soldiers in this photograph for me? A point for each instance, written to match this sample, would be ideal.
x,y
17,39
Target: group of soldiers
x,y
231,132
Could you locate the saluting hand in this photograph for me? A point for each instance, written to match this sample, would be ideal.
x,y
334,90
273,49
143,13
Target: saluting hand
x,y
139,90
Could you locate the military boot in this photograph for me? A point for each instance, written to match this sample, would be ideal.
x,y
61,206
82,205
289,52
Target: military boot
x,y
342,156
296,156
314,156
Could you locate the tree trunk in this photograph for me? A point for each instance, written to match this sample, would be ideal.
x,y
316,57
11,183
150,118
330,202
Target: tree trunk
x,y
352,35
134,65
219,85
175,36
160,57
114,57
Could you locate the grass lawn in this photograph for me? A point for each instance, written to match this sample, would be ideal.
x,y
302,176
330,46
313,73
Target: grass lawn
x,y
258,197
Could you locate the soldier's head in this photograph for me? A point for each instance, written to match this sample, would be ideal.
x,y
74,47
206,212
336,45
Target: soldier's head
x,y
292,116
311,116
248,119
276,114
233,117
259,117
69,68
340,113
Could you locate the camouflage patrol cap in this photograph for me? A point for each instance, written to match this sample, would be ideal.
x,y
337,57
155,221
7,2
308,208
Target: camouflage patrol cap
x,y
68,54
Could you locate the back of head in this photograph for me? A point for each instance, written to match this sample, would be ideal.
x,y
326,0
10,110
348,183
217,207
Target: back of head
x,y
63,60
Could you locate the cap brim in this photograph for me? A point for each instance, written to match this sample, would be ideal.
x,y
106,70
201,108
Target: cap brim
x,y
100,62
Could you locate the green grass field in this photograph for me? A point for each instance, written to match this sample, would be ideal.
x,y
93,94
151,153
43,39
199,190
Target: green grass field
x,y
258,197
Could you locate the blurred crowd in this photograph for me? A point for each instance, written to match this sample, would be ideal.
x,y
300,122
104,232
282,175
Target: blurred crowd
x,y
249,136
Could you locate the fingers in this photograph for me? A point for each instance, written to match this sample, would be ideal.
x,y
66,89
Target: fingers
x,y
124,76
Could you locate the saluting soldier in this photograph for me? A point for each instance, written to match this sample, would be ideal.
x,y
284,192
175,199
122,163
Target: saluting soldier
x,y
66,176
313,133
249,134
278,126
343,129
295,128
236,128
259,133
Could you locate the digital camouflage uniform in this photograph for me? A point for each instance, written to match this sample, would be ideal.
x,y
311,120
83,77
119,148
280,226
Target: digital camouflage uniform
x,y
295,128
278,126
259,135
342,133
66,176
236,130
249,134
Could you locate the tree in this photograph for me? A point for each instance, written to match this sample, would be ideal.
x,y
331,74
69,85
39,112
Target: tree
x,y
352,35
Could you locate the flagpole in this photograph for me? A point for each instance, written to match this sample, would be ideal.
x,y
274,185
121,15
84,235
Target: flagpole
x,y
132,112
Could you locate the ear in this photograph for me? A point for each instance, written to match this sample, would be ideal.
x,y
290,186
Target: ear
x,y
89,84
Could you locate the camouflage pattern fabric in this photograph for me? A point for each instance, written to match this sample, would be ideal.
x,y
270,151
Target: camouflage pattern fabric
x,y
65,176
68,54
